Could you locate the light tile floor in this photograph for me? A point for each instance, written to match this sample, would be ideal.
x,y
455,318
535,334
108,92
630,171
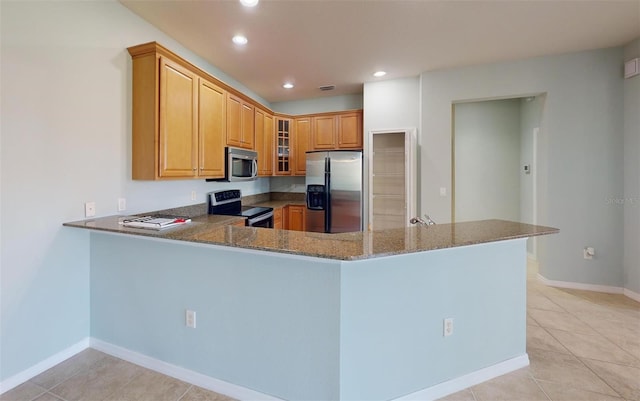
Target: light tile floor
x,y
583,346
94,376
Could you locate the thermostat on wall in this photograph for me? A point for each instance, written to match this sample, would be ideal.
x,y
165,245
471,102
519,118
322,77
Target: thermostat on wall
x,y
632,68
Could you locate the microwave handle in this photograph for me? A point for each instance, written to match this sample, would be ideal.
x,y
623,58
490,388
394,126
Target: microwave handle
x,y
254,168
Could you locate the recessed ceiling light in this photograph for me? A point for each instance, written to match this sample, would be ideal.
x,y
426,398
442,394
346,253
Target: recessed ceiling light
x,y
379,74
240,40
249,3
287,85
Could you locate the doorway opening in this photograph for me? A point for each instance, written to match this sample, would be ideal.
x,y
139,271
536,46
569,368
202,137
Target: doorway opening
x,y
496,157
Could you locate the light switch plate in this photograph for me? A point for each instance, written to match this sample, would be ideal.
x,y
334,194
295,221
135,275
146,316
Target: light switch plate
x,y
89,209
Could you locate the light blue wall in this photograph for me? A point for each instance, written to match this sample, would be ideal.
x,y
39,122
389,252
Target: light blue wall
x,y
319,105
582,140
632,174
312,329
66,140
487,160
396,306
268,322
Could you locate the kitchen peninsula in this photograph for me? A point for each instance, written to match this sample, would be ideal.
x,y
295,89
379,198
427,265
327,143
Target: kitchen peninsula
x,y
311,316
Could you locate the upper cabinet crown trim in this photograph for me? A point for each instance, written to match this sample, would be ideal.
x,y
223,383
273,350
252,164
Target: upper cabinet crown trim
x,y
149,48
156,48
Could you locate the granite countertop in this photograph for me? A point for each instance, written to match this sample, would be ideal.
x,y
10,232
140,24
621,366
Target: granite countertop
x,y
220,230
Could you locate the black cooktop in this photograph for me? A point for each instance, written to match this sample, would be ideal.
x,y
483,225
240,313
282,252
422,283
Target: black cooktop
x,y
229,202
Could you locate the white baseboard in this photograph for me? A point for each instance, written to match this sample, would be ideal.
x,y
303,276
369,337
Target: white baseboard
x,y
180,373
468,380
590,287
581,286
35,370
239,392
633,295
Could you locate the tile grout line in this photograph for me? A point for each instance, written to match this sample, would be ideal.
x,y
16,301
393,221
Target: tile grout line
x,y
126,384
185,393
540,387
473,394
59,397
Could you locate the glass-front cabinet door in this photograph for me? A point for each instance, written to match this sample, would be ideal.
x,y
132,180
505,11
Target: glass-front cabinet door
x,y
283,146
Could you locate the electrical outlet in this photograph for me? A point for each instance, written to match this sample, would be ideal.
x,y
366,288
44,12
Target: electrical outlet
x,y
190,319
89,209
447,327
122,204
588,252
193,195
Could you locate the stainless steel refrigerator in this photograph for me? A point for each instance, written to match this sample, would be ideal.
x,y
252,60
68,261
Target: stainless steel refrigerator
x,y
334,191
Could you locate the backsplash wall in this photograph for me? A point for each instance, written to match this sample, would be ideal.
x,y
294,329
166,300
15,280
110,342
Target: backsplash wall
x,y
287,184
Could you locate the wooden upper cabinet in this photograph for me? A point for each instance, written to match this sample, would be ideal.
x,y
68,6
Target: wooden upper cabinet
x,y
178,121
350,130
301,136
212,129
324,132
182,118
240,122
234,120
248,131
283,146
337,131
179,118
264,138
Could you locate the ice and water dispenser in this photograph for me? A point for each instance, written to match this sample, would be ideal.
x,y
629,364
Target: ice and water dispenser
x,y
315,197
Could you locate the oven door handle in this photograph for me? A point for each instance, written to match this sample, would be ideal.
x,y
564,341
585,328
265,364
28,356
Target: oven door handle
x,y
260,218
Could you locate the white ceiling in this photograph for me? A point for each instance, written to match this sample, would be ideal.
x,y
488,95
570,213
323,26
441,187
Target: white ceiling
x,y
342,42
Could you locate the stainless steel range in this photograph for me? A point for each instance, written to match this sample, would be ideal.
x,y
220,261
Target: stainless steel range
x,y
229,202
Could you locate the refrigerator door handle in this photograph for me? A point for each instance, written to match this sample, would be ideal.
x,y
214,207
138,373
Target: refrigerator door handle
x,y
327,195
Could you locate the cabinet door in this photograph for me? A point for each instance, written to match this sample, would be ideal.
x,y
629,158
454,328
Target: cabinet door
x,y
283,146
264,128
234,120
178,121
285,217
350,131
296,218
267,145
301,134
212,115
277,218
258,124
324,133
248,132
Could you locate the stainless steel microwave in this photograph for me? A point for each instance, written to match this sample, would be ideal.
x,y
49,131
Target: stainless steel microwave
x,y
241,164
